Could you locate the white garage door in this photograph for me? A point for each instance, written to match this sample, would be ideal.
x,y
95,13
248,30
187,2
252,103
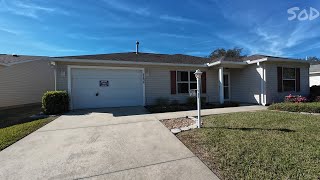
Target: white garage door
x,y
97,88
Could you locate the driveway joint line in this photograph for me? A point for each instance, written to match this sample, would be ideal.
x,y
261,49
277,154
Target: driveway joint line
x,y
163,162
93,126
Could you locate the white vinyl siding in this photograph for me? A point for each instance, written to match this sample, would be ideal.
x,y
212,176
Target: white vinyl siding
x,y
272,81
157,81
245,84
25,83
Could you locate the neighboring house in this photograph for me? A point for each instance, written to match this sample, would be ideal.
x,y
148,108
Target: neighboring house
x,y
24,79
315,75
133,79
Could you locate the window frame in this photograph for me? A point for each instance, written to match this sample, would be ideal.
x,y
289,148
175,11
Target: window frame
x,y
295,79
189,81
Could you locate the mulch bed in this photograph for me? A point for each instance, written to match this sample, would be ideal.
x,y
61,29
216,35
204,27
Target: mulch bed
x,y
177,122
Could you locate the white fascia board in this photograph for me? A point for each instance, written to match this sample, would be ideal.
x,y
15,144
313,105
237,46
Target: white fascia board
x,y
256,61
214,63
123,62
226,62
314,73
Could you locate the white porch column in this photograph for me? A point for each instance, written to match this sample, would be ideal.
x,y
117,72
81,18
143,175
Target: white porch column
x,y
221,92
262,72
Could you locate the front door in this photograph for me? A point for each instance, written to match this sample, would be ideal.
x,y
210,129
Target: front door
x,y
226,86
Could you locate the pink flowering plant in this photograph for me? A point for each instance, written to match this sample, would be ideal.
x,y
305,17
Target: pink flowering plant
x,y
295,99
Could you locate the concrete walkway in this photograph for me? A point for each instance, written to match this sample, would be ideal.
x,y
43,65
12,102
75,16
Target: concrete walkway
x,y
114,143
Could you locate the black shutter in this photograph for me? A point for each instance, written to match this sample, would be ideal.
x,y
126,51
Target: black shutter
x,y
279,69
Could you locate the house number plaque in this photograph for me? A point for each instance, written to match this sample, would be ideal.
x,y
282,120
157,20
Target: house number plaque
x,y
103,83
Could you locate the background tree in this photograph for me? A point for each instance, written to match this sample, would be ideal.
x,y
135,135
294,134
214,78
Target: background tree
x,y
313,60
221,52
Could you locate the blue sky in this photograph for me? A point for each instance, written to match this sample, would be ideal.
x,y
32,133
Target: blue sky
x,y
194,27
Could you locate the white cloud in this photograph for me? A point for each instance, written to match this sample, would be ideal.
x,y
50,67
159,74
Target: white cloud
x,y
177,19
30,10
175,35
124,6
10,31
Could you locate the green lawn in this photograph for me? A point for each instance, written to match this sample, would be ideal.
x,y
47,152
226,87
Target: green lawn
x,y
16,124
11,134
258,145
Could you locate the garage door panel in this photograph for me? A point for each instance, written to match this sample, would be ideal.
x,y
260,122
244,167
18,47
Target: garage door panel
x,y
98,73
113,84
125,88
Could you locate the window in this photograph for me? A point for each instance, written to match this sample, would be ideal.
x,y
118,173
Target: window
x,y
186,80
289,79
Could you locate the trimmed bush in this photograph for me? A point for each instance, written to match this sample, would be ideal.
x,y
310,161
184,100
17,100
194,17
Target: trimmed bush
x,y
315,93
192,101
55,102
174,102
313,107
316,99
162,101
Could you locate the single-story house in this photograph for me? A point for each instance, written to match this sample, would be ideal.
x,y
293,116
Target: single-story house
x,y
24,79
138,79
315,75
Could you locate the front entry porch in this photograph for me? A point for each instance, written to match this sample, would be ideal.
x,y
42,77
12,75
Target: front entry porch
x,y
241,82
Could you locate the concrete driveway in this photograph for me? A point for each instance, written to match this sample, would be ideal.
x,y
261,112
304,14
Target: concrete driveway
x,y
111,144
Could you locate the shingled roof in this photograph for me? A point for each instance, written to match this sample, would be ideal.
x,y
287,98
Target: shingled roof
x,y
7,60
145,57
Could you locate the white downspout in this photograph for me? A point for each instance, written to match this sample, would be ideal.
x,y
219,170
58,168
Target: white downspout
x,y
221,92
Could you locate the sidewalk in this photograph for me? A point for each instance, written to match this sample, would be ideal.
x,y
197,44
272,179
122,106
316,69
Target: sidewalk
x,y
205,112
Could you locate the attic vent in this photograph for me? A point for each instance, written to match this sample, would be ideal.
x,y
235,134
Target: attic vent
x,y
14,55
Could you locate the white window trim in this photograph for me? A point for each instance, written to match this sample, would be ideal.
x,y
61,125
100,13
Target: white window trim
x,y
189,82
295,82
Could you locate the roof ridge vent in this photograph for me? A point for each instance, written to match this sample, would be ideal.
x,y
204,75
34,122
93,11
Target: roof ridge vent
x,y
15,55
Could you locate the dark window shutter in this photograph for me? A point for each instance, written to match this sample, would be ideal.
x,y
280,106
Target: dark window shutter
x,y
279,79
298,79
173,76
204,82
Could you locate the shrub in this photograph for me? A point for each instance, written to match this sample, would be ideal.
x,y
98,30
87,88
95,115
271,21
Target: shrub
x,y
295,99
174,102
315,93
162,101
192,101
55,102
316,99
313,107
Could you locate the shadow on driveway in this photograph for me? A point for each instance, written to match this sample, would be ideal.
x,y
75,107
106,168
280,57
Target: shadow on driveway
x,y
116,112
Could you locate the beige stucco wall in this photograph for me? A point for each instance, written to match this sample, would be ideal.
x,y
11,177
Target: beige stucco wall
x,y
25,83
157,80
272,81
